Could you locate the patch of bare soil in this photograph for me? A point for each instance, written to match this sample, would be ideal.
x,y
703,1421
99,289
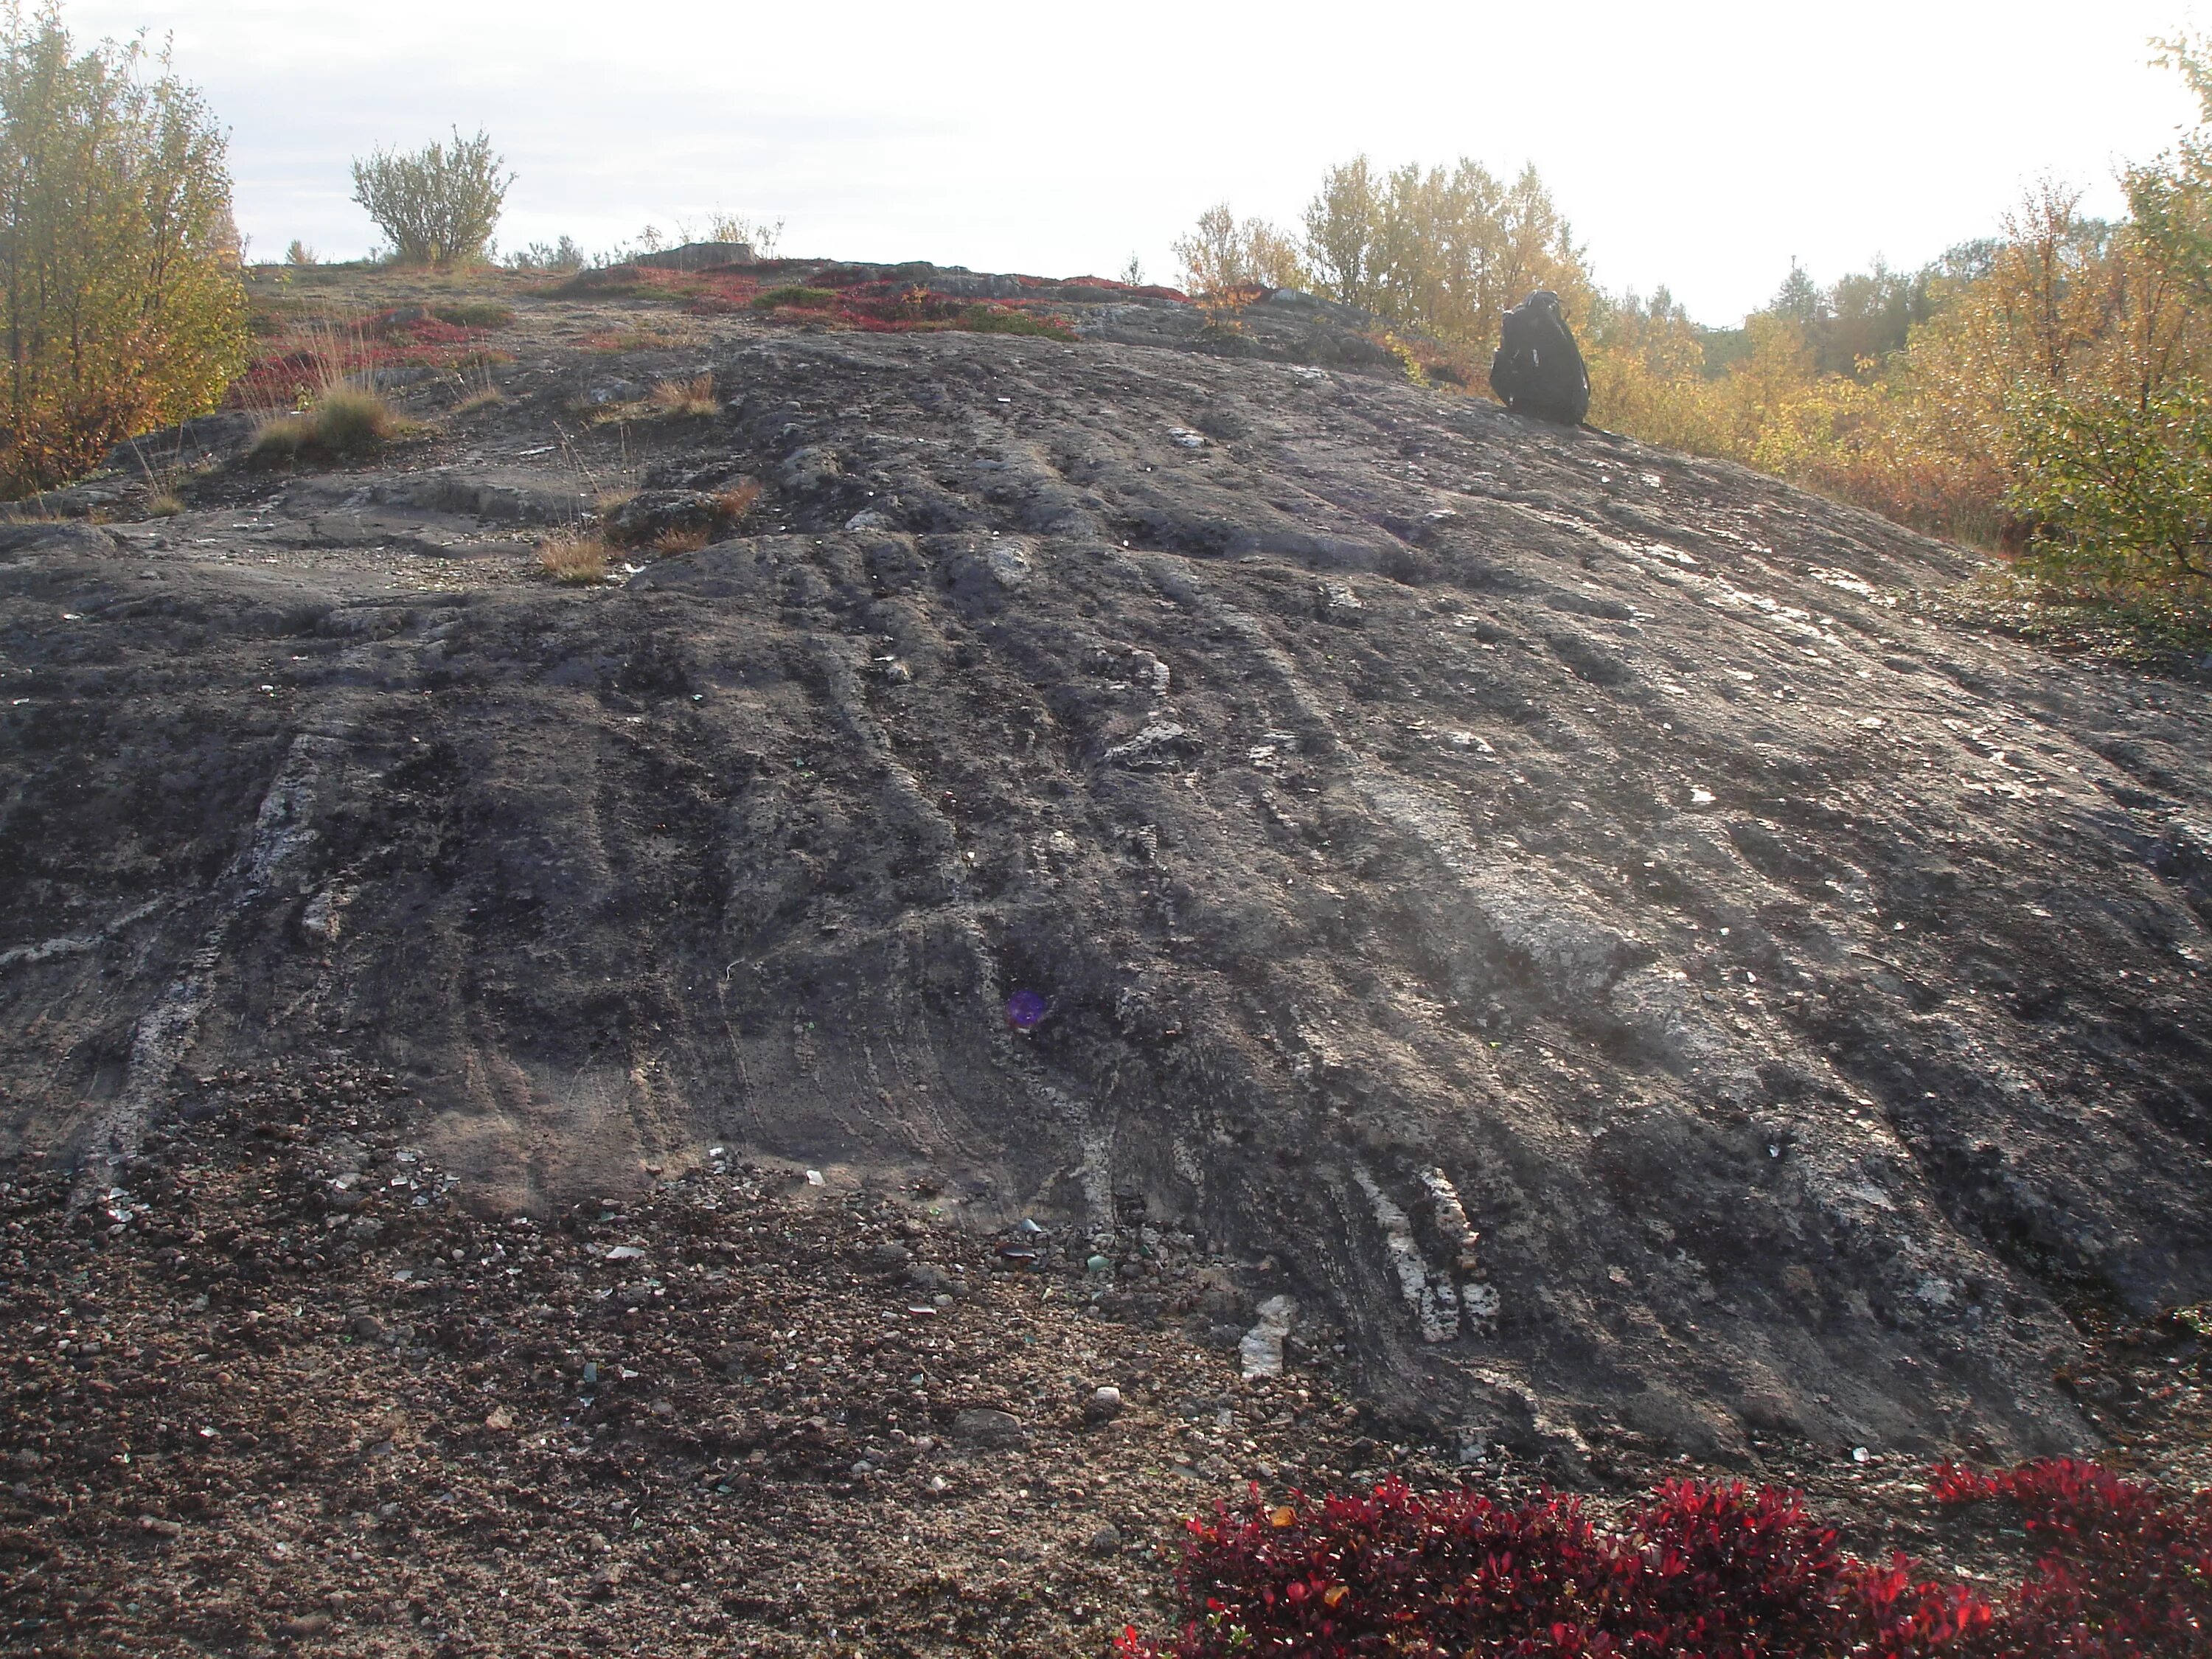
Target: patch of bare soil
x,y
284,1386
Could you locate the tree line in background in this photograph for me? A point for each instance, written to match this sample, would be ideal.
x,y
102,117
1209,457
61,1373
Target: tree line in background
x,y
2047,392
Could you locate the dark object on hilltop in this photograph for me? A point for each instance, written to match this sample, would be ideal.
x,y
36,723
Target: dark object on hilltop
x,y
1538,369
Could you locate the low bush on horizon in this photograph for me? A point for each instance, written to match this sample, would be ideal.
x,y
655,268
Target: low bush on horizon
x,y
887,307
562,258
891,307
1005,320
438,204
1697,1571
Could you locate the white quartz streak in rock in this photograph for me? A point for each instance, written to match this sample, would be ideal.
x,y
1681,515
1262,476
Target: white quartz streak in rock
x,y
1262,1350
1478,1299
1434,1303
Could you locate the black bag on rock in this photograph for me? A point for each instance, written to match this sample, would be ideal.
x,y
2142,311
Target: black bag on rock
x,y
1538,369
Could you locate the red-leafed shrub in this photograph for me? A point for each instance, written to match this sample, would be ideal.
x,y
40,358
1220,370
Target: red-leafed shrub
x,y
301,363
849,300
412,326
888,307
2122,1567
724,298
1696,1572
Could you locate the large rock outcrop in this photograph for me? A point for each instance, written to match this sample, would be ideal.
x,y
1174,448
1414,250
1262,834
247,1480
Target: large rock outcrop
x,y
1420,824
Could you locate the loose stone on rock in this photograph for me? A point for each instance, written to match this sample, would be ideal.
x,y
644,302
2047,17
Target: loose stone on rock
x,y
986,1427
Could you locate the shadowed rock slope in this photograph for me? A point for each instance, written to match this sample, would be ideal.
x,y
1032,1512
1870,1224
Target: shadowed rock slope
x,y
1420,823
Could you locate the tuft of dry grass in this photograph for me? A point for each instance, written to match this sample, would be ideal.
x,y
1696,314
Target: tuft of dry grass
x,y
613,500
673,540
669,400
476,400
164,504
731,505
576,556
351,419
684,400
346,420
283,437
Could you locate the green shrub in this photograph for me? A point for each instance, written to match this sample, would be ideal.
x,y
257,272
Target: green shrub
x,y
121,307
989,319
438,206
2118,489
798,299
475,314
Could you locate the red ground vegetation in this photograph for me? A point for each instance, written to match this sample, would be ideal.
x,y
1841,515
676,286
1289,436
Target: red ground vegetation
x,y
297,365
1710,1570
874,306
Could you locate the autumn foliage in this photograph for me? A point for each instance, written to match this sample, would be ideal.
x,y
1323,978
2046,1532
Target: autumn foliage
x,y
1713,1571
2047,392
120,304
2122,1568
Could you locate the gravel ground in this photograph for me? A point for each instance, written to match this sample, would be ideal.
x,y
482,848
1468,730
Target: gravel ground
x,y
279,1388
300,1392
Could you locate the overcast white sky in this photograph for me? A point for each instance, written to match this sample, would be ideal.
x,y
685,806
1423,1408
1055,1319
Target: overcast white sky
x,y
1701,144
